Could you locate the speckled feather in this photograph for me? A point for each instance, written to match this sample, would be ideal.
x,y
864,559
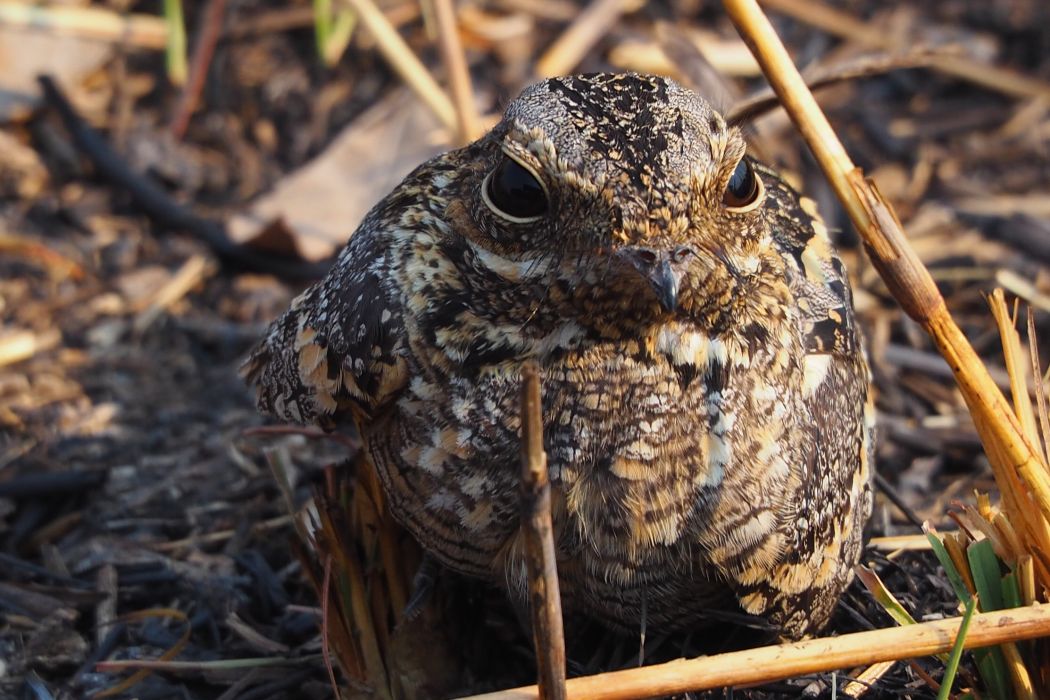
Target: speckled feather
x,y
713,457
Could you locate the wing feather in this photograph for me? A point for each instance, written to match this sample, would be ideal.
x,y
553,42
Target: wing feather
x,y
341,345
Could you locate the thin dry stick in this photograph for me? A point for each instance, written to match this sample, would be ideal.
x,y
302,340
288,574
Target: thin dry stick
x,y
346,564
22,345
1040,390
892,255
772,663
258,528
866,679
207,38
403,61
863,67
544,595
845,25
106,608
195,270
589,26
455,60
146,31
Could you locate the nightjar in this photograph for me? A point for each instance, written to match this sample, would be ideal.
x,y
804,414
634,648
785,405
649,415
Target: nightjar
x,y
706,397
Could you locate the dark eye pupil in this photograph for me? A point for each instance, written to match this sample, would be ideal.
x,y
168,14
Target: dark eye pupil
x,y
743,186
515,191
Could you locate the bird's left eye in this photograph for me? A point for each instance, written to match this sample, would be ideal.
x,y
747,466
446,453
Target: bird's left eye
x,y
514,193
743,188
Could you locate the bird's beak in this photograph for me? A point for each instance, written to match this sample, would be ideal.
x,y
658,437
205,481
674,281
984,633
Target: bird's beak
x,y
661,269
665,281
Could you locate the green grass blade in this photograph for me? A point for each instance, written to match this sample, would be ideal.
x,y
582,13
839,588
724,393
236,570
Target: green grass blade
x,y
322,25
339,37
1011,591
954,577
957,649
175,53
987,578
884,597
987,574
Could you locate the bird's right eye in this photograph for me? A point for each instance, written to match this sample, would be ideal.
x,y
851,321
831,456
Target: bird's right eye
x,y
514,193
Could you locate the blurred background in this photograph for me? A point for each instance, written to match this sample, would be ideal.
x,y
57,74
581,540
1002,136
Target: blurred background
x,y
187,167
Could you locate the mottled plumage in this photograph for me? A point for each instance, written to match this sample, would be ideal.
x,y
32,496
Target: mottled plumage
x,y
705,395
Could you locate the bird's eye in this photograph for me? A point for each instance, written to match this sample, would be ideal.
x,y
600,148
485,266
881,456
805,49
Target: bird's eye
x,y
743,188
514,193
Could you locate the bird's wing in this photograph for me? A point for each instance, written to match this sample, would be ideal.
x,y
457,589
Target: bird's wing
x,y
820,283
828,515
341,347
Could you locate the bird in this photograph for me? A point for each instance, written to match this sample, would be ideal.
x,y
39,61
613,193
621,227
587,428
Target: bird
x,y
707,408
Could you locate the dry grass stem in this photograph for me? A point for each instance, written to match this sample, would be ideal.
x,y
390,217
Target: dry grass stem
x,y
861,67
772,663
455,60
866,679
106,583
544,594
843,24
1040,392
730,57
898,543
22,345
259,528
1026,528
404,61
144,31
192,273
589,26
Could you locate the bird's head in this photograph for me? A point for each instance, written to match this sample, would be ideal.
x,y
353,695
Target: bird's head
x,y
631,186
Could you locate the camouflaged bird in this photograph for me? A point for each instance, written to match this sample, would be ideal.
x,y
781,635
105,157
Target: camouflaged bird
x,y
705,396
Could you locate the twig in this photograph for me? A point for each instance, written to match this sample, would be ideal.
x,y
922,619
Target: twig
x,y
1003,205
203,666
207,38
544,594
146,31
51,484
160,207
867,679
729,57
845,25
57,265
898,543
106,608
455,61
192,272
22,345
404,61
222,535
895,498
771,663
906,357
755,105
307,432
145,669
892,255
255,639
585,31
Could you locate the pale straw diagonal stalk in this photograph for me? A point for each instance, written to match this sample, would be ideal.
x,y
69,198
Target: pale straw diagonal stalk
x,y
899,266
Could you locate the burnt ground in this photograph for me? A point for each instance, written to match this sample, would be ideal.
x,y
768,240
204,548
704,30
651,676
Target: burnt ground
x,y
127,482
